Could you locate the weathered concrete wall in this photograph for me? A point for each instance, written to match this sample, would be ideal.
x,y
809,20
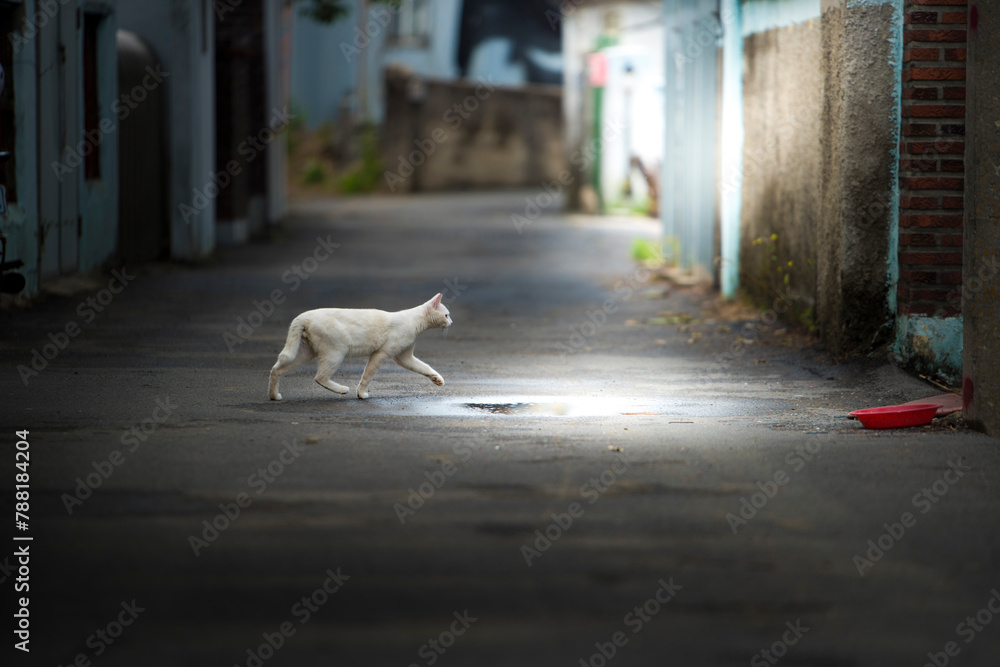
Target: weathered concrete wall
x,y
782,165
856,233
441,135
981,288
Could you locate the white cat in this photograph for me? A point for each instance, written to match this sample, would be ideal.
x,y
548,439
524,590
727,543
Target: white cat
x,y
333,334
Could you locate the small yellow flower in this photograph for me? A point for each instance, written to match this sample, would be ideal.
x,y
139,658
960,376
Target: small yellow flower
x,y
789,262
774,237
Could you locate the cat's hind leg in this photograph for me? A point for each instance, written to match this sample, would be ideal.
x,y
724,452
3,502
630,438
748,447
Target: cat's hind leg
x,y
411,363
328,365
285,365
374,361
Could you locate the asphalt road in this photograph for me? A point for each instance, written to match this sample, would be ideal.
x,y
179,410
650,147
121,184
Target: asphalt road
x,y
587,488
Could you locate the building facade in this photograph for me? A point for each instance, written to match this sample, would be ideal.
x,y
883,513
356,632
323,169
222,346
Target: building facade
x,y
59,112
124,145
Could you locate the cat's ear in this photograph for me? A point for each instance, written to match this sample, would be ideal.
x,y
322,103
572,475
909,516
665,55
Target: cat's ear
x,y
435,302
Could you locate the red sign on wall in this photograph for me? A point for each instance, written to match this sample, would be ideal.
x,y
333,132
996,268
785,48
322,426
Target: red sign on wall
x,y
597,69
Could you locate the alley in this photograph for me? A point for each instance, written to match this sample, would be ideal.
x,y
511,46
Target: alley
x,y
608,476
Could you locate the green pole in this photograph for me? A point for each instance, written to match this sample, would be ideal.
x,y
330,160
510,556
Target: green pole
x,y
596,173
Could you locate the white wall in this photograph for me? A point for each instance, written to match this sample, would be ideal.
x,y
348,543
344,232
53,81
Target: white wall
x,y
635,101
640,44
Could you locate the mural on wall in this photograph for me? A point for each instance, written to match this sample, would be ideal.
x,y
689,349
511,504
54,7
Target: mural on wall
x,y
517,41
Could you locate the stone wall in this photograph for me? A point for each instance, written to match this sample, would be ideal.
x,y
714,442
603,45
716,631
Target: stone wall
x,y
450,135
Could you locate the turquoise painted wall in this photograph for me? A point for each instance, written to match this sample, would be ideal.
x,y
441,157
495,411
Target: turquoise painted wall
x,y
99,198
731,154
21,222
763,15
931,345
98,204
324,64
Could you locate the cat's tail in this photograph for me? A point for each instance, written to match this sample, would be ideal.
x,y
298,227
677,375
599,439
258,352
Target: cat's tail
x,y
291,349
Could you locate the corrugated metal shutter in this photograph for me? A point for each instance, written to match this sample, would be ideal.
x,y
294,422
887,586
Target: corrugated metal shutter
x,y
688,209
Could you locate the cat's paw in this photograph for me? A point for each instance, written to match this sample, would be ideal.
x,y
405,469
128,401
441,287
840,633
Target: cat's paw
x,y
362,394
276,397
438,380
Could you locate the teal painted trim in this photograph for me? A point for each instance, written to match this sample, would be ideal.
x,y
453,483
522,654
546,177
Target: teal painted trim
x,y
668,171
896,61
731,187
21,223
931,344
763,15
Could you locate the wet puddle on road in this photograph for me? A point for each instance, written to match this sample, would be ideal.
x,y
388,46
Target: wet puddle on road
x,y
546,409
562,406
549,406
561,409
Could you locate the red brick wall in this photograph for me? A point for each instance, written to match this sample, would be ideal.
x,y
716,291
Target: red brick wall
x,y
932,167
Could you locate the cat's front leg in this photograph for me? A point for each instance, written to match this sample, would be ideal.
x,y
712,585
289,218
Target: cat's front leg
x,y
334,387
411,363
272,390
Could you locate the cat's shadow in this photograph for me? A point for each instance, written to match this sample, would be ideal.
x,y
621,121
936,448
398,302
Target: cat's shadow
x,y
337,402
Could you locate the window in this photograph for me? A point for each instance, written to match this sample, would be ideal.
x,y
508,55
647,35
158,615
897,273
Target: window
x,y
411,26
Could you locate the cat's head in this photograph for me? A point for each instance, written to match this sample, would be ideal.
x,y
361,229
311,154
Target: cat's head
x,y
437,313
